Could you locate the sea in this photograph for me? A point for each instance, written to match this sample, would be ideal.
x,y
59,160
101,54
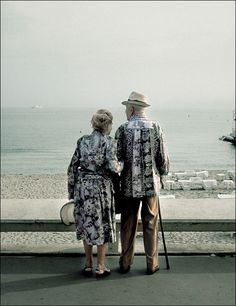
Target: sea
x,y
43,140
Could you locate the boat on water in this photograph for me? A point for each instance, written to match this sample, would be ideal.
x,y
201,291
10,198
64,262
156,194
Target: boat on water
x,y
36,106
231,137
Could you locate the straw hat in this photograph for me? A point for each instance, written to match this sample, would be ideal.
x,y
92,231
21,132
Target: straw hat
x,y
67,213
136,98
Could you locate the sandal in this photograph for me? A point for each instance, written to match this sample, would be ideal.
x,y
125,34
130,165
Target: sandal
x,y
87,271
102,272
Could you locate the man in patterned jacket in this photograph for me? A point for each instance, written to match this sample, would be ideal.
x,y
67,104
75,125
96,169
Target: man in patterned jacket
x,y
141,146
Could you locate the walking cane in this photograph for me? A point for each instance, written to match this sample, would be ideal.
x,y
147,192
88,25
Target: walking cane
x,y
163,237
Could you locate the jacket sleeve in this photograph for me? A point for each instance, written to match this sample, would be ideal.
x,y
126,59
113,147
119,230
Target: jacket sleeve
x,y
119,139
111,156
162,156
72,170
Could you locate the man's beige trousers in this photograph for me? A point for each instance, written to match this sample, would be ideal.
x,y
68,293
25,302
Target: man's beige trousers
x,y
129,222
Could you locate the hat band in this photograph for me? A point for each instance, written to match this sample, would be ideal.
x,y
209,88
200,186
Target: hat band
x,y
136,101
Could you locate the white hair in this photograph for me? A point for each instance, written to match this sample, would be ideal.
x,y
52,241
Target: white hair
x,y
138,110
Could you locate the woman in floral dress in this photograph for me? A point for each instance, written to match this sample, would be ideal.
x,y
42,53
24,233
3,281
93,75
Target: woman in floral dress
x,y
90,185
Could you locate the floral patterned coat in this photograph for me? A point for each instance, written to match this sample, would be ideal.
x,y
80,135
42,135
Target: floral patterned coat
x,y
141,145
90,185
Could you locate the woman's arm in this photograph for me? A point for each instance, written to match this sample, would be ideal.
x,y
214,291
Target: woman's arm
x,y
72,171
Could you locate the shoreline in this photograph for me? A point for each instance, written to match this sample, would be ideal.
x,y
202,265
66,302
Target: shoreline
x,y
54,186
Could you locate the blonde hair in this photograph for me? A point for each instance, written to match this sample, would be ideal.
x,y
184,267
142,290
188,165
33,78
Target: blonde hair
x,y
102,120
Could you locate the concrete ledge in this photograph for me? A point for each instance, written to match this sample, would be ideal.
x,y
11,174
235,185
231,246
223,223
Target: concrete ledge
x,y
204,208
43,215
178,215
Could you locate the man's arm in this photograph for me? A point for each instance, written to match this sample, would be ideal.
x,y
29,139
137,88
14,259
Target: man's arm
x,y
119,136
162,156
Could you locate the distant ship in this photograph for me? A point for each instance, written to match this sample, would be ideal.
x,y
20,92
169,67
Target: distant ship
x,y
37,106
231,137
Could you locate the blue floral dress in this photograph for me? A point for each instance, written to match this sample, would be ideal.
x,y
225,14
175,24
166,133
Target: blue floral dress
x,y
90,184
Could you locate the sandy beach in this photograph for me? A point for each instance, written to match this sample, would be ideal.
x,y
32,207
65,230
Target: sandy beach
x,y
54,186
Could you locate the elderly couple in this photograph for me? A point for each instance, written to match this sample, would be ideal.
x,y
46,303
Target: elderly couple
x,y
139,155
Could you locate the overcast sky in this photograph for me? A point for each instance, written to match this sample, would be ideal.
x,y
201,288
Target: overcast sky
x,y
85,53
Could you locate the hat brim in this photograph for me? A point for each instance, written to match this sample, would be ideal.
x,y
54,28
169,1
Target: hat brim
x,y
67,213
138,103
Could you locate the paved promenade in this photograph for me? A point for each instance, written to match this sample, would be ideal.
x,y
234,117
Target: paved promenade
x,y
50,280
53,277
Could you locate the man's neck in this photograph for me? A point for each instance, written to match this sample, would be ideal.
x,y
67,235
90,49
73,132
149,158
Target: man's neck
x,y
137,116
